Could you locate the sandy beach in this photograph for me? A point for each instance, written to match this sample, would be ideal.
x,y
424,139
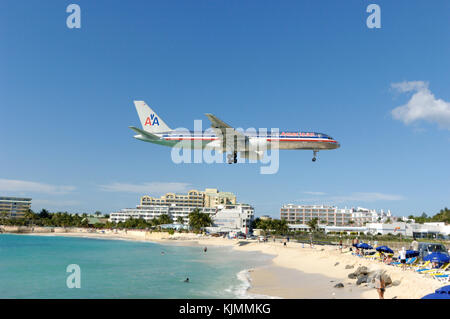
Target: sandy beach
x,y
297,271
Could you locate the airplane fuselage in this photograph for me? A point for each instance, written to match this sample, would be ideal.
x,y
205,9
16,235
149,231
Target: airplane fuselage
x,y
283,140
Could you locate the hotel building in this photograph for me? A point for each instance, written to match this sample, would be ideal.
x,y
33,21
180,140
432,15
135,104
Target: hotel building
x,y
210,198
331,215
227,215
15,207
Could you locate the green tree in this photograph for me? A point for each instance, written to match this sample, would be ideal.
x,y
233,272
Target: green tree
x,y
165,219
199,220
44,214
180,220
313,224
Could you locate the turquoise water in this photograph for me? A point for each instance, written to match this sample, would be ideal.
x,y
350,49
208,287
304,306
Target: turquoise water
x,y
35,267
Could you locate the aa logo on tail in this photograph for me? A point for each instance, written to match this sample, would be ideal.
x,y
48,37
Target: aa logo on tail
x,y
151,120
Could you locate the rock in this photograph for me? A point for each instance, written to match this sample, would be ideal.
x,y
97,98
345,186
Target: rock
x,y
349,267
362,270
361,279
352,275
387,279
339,285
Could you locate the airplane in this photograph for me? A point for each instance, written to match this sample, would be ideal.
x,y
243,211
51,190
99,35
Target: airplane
x,y
224,138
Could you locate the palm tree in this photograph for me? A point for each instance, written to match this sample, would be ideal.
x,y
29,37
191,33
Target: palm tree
x,y
198,220
313,224
165,219
180,220
3,216
29,215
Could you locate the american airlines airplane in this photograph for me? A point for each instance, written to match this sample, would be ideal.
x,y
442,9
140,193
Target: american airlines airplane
x,y
224,138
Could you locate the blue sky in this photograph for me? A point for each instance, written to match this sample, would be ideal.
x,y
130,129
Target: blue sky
x,y
66,99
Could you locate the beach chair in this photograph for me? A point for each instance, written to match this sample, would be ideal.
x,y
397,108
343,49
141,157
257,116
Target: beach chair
x,y
397,263
440,271
442,278
434,270
421,267
412,261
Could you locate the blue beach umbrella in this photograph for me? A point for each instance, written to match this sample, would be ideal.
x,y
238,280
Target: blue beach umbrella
x,y
385,249
412,253
436,296
364,246
441,293
437,258
445,289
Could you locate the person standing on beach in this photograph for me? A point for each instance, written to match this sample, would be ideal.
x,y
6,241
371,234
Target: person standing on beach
x,y
380,285
414,244
340,245
403,257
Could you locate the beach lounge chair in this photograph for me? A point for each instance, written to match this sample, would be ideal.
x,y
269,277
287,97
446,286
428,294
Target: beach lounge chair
x,y
442,278
424,266
411,262
397,263
435,270
440,271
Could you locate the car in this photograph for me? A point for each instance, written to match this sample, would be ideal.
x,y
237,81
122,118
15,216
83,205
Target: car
x,y
428,248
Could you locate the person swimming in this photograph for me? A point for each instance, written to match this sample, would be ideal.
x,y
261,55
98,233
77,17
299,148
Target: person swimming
x,y
187,279
205,249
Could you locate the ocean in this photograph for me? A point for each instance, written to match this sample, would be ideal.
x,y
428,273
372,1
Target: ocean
x,y
36,267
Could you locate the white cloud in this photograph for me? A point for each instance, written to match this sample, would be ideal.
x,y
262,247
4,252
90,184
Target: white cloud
x,y
422,105
146,188
18,186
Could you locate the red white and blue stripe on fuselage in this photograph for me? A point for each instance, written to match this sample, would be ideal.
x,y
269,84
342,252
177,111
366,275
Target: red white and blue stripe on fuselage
x,y
303,138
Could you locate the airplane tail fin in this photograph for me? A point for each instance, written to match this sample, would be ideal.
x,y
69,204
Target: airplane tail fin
x,y
150,121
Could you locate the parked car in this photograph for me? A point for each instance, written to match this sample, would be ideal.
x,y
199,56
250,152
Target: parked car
x,y
428,248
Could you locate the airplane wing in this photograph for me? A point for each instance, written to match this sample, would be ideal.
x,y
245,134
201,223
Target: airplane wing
x,y
228,134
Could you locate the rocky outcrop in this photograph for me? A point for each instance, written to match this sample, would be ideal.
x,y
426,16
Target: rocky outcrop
x,y
349,267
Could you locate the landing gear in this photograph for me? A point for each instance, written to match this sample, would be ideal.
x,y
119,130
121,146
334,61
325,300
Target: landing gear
x,y
232,158
314,156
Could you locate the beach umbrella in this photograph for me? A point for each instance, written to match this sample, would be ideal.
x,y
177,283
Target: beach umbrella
x,y
437,258
445,289
364,246
436,296
441,293
385,249
412,253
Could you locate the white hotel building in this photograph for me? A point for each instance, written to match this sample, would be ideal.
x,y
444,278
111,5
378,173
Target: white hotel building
x,y
299,215
227,215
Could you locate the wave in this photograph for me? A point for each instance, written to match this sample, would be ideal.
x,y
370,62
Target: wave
x,y
241,291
